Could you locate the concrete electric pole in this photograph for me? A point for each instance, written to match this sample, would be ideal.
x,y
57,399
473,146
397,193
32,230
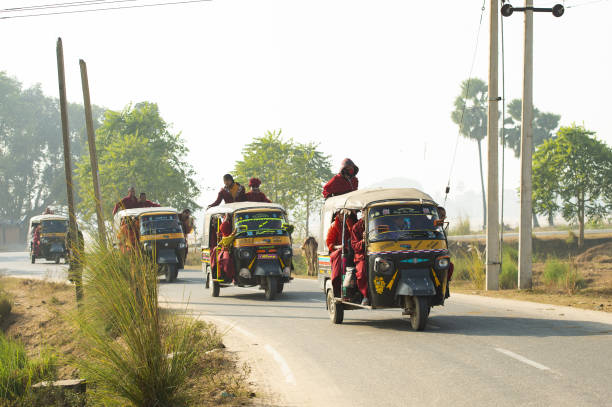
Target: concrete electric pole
x,y
526,214
93,156
492,254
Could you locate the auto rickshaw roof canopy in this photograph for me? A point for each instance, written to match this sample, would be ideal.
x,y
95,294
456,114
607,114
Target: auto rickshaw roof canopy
x,y
363,198
40,218
135,212
239,206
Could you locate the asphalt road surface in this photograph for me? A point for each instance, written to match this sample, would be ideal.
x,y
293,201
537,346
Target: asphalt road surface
x,y
475,351
18,264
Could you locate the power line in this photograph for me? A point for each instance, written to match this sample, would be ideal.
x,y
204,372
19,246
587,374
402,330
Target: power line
x,y
106,9
588,3
467,91
56,5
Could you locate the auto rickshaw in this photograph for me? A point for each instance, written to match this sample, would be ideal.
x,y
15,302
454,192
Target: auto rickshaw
x,y
406,254
158,233
52,244
261,247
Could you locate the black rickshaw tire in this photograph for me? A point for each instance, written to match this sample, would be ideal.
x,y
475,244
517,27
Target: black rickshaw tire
x,y
57,259
336,309
33,256
171,272
280,286
213,286
420,313
271,287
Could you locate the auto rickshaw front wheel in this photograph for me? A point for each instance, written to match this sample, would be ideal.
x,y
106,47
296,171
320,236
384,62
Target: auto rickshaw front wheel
x,y
271,287
420,313
33,256
171,272
57,259
336,309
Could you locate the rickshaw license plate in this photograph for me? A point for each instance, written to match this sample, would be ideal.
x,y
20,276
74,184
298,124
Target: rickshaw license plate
x,y
266,256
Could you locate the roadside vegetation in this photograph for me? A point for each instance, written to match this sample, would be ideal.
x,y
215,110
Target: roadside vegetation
x,y
563,273
130,351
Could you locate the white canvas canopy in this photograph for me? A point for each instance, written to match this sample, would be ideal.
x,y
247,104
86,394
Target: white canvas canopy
x,y
238,206
363,198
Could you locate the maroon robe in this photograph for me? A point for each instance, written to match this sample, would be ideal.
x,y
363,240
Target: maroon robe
x,y
256,196
340,184
225,194
128,202
222,256
148,204
334,238
358,244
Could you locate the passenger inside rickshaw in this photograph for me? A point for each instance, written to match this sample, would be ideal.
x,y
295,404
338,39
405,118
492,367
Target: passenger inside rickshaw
x,y
340,259
129,234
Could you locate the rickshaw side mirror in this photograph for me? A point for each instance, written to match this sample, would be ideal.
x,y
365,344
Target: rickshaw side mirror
x,y
438,222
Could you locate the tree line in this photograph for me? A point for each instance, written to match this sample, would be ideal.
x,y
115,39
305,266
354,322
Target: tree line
x,y
571,167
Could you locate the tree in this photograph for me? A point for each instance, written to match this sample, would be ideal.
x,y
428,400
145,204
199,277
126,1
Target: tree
x,y
576,169
311,170
31,149
471,115
544,125
136,148
291,174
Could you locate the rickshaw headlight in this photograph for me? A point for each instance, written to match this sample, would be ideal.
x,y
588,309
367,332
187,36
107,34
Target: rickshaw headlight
x,y
147,246
44,240
245,254
381,265
181,245
287,252
442,263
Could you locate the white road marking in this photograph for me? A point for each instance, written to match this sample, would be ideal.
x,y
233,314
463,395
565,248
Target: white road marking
x,y
315,300
289,378
522,359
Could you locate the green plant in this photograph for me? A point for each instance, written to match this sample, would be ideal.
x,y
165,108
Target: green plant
x,y
474,263
571,238
6,305
137,355
462,227
564,275
299,264
18,372
508,278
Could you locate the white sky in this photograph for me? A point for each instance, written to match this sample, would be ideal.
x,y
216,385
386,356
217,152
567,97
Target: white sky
x,y
370,80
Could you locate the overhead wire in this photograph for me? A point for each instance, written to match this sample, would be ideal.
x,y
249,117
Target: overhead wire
x,y
467,91
167,3
57,5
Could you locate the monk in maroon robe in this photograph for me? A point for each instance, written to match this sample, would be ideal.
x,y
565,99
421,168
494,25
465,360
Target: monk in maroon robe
x,y
143,202
358,244
334,245
222,255
255,195
343,182
231,192
128,202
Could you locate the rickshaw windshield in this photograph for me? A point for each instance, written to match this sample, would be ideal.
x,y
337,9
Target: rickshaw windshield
x,y
54,226
159,224
259,224
403,222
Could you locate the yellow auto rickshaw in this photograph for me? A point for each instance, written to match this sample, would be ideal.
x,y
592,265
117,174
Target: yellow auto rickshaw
x,y
406,254
47,237
157,232
260,247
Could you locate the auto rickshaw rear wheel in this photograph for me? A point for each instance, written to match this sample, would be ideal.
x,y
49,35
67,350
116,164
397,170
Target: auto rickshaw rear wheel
x,y
33,256
336,309
418,318
271,287
57,259
280,287
213,286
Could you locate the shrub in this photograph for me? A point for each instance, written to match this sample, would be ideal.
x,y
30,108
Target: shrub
x,y
137,355
571,238
474,263
508,278
299,264
563,275
461,228
6,305
18,372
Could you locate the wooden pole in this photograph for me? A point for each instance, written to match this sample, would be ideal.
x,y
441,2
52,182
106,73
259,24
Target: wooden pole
x,y
93,155
72,225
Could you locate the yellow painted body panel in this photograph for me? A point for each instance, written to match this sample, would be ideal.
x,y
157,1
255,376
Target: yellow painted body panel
x,y
262,241
162,236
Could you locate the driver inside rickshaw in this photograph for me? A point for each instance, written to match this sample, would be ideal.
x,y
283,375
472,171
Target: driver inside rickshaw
x,y
358,245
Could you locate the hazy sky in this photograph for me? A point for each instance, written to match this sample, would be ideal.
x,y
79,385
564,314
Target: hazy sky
x,y
370,80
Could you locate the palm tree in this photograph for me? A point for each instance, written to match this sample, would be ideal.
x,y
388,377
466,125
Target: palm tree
x,y
471,115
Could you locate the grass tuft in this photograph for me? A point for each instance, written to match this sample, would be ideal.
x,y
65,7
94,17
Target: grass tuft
x,y
564,275
462,227
137,355
508,278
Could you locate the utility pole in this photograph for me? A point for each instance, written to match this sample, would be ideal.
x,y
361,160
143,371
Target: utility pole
x,y
492,254
526,214
72,225
525,225
93,156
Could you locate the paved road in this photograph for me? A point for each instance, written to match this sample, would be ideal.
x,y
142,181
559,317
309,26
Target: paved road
x,y
539,233
18,264
476,351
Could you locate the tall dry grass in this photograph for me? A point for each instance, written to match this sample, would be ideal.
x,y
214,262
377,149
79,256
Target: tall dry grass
x,y
137,355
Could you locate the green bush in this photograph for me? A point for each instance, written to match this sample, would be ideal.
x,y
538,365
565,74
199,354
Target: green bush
x,y
299,264
563,275
461,228
137,355
18,372
508,278
571,238
6,305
